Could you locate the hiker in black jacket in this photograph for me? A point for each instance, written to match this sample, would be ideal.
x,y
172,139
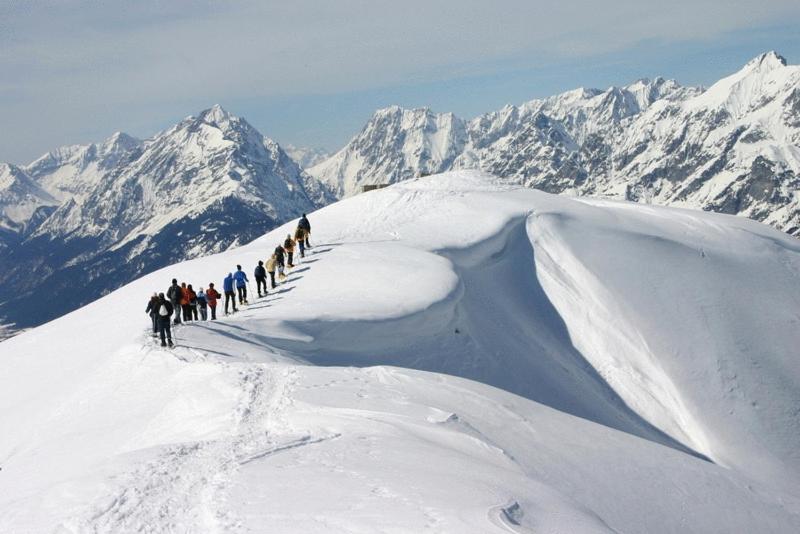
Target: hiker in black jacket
x,y
174,295
152,310
164,311
261,277
306,226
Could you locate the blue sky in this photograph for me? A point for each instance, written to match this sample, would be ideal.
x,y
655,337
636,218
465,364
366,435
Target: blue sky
x,y
312,72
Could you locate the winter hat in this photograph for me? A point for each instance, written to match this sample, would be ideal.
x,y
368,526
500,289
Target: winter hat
x,y
260,262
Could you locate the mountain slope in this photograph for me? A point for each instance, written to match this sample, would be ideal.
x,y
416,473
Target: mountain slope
x,y
129,206
732,148
583,302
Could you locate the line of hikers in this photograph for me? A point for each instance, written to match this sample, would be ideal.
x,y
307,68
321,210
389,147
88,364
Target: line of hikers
x,y
182,303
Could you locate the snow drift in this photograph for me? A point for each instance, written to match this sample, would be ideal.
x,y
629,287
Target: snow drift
x,y
647,358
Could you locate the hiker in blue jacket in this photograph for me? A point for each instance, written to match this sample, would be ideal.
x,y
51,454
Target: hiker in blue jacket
x,y
230,296
241,284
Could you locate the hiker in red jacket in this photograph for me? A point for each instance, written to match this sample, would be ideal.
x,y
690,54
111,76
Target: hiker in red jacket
x,y
212,295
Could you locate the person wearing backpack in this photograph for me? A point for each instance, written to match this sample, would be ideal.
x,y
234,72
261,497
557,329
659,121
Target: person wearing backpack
x,y
279,261
212,296
300,239
241,284
288,246
192,298
306,226
271,263
279,255
202,304
230,296
152,310
174,296
165,310
261,278
184,302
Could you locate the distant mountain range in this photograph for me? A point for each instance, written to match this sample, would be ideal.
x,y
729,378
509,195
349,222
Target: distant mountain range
x,y
732,148
306,157
82,220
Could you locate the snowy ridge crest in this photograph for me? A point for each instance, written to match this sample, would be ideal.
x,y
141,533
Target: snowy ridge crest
x,y
560,364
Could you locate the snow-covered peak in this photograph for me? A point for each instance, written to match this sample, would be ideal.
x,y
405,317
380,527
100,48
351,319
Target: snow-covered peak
x,y
765,62
217,116
13,177
392,109
119,141
206,159
753,86
395,144
8,175
20,198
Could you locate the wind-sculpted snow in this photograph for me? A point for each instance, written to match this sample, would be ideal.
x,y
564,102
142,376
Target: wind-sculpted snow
x,y
645,353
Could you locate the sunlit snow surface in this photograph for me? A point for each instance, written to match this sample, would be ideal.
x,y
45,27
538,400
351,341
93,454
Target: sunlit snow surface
x,y
649,358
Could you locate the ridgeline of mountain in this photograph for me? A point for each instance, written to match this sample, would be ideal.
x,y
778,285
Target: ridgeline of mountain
x,y
732,148
84,220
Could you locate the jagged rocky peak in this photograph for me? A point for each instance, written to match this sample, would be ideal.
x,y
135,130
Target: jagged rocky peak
x,y
14,180
120,141
227,130
20,198
217,116
647,91
753,86
395,144
766,61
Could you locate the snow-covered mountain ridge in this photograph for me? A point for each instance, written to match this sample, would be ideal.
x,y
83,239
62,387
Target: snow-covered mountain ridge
x,y
630,341
88,218
732,148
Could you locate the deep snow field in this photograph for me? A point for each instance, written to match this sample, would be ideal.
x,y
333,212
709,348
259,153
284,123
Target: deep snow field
x,y
455,355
